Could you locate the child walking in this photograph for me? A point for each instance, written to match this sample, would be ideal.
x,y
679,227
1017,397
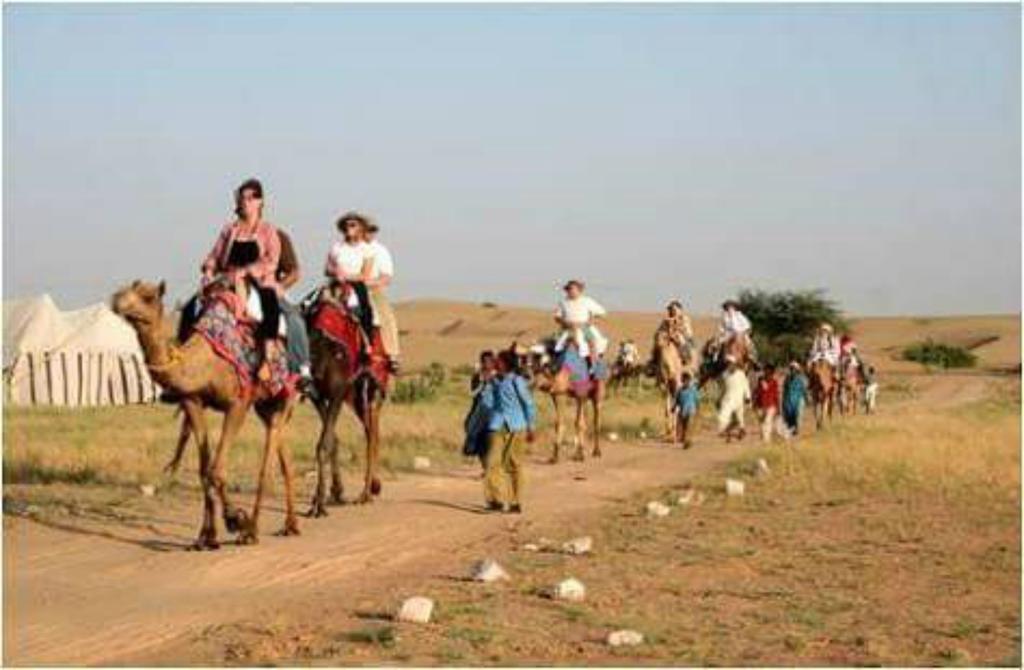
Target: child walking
x,y
766,399
687,401
513,413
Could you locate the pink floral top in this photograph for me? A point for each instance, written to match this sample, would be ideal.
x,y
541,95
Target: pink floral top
x,y
263,270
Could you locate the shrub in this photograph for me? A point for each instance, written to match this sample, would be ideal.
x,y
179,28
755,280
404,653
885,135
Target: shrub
x,y
422,387
784,322
940,355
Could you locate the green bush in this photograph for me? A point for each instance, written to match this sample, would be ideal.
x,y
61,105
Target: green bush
x,y
422,387
784,322
939,355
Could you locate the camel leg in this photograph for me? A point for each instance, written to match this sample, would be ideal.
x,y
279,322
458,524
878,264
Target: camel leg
x,y
324,446
596,404
179,451
581,430
370,416
557,401
291,522
208,532
235,518
250,533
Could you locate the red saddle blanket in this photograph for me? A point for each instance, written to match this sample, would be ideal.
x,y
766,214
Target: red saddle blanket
x,y
339,326
234,341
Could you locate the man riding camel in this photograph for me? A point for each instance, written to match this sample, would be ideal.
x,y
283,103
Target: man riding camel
x,y
628,353
676,326
825,347
734,326
576,315
350,263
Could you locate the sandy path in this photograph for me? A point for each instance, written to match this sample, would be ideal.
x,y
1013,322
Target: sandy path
x,y
88,599
129,594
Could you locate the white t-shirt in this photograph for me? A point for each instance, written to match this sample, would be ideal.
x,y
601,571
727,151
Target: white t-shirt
x,y
579,310
382,261
347,259
735,322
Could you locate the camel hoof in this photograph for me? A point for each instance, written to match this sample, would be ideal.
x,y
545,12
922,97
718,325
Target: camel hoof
x,y
290,529
337,497
364,498
317,510
375,487
553,460
235,520
248,537
171,468
579,457
204,543
596,453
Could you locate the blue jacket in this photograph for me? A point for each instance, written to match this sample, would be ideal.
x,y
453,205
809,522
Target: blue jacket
x,y
687,399
793,391
478,420
511,404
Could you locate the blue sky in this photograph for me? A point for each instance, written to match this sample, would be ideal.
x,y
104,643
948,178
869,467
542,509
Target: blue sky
x,y
657,151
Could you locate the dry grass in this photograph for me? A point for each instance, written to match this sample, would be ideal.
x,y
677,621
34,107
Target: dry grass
x,y
894,540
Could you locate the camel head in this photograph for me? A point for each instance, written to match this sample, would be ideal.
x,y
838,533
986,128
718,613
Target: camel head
x,y
140,303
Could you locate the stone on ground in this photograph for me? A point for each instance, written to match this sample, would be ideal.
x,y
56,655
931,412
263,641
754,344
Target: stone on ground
x,y
625,638
488,570
148,490
421,463
577,546
416,610
531,547
734,487
571,589
657,509
643,434
613,437
686,497
761,468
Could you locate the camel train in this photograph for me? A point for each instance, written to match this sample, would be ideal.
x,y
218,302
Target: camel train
x,y
241,345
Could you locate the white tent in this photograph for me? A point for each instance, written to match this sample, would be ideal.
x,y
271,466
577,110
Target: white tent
x,y
80,358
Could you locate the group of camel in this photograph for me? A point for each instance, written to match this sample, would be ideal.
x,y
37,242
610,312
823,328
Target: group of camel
x,y
202,379
194,372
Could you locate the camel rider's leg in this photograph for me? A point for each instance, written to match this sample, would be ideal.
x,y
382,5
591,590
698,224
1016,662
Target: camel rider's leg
x,y
387,323
365,314
189,317
270,322
563,339
297,339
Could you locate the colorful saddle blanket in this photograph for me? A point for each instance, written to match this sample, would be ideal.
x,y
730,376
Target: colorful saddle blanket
x,y
338,326
233,340
580,376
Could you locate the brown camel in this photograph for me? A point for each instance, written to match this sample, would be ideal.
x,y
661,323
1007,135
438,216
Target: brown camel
x,y
204,379
821,379
558,386
716,358
850,388
336,387
669,373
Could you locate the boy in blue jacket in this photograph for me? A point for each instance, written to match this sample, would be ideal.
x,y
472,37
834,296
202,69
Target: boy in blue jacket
x,y
512,414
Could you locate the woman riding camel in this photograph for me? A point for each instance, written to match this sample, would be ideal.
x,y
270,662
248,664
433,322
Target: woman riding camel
x,y
825,347
576,315
350,262
677,328
245,257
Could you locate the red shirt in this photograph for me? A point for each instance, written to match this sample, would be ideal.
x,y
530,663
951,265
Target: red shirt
x,y
767,394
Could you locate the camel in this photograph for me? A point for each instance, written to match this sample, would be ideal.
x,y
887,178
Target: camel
x,y
625,373
714,364
557,384
850,386
822,385
337,387
669,373
194,371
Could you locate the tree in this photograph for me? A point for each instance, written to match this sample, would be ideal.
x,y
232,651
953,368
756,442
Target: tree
x,y
784,322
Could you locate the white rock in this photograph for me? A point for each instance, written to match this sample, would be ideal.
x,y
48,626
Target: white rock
x,y
761,468
421,463
643,434
657,509
531,547
416,610
148,490
570,589
625,638
613,437
577,546
488,570
686,497
734,487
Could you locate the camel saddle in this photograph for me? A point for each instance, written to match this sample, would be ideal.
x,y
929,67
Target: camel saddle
x,y
232,337
364,353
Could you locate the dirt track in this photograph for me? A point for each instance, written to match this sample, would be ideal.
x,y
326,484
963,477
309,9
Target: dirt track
x,y
123,594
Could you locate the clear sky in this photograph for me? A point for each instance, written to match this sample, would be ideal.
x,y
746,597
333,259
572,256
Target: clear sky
x,y
656,151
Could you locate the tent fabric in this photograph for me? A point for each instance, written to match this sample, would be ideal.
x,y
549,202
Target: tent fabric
x,y
81,358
